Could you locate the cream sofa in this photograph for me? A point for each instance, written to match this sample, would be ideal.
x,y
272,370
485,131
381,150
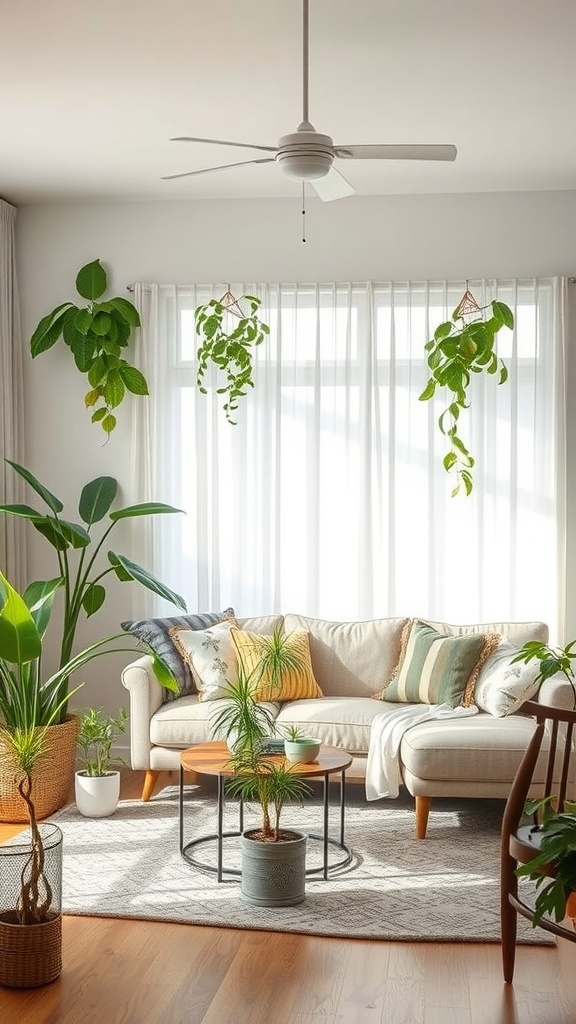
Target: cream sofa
x,y
470,757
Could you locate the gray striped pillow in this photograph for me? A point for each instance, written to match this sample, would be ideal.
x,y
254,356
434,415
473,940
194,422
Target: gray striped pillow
x,y
439,669
156,633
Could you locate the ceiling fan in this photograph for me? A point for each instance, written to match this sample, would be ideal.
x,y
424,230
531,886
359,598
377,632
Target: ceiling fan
x,y
309,156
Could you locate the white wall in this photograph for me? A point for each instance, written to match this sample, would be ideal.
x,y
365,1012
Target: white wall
x,y
396,237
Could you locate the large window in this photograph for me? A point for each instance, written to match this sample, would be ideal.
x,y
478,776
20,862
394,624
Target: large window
x,y
329,496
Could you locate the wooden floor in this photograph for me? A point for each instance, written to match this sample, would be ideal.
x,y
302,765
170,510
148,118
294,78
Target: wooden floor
x,y
138,972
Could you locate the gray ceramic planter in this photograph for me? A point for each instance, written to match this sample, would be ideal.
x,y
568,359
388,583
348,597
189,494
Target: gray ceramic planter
x,y
273,874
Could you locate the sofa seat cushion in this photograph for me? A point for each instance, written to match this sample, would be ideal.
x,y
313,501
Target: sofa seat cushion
x,y
337,721
477,749
188,720
351,658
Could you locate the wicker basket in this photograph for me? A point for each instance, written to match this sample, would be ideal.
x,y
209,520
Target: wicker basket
x,y
52,775
30,954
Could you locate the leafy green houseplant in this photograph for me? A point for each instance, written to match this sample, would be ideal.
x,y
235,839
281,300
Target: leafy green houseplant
x,y
461,347
228,336
96,735
30,701
554,867
78,554
97,783
97,335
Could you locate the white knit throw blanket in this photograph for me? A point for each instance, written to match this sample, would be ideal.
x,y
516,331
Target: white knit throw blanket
x,y
383,776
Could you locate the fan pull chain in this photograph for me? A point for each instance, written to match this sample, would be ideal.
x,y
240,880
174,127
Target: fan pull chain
x,y
303,212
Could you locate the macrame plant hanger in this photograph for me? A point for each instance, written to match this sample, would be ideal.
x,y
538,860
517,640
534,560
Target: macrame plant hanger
x,y
467,305
230,303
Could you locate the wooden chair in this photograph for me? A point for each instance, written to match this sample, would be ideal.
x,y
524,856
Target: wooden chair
x,y
550,755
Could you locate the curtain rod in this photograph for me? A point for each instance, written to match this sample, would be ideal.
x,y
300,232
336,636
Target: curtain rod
x,y
571,280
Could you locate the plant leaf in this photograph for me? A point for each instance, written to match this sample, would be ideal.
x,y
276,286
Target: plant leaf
x,y
147,579
148,508
49,329
96,499
134,380
54,503
91,280
19,637
93,599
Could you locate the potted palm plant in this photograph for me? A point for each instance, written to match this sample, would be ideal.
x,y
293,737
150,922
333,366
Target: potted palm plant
x,y
273,859
78,585
30,876
97,783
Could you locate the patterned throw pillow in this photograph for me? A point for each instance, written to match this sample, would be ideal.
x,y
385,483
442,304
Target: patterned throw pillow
x,y
211,657
502,687
156,633
297,683
438,669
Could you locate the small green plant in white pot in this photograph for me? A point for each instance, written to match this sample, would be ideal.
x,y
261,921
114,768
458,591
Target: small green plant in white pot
x,y
97,783
299,748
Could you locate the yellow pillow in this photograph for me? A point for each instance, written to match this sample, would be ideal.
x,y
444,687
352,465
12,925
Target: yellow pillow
x,y
296,682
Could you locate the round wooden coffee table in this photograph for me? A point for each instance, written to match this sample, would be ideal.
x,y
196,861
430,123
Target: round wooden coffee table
x,y
214,759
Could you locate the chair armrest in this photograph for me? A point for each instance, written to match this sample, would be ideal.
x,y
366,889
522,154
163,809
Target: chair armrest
x,y
145,698
556,692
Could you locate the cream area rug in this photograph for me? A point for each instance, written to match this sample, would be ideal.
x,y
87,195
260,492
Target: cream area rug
x,y
396,887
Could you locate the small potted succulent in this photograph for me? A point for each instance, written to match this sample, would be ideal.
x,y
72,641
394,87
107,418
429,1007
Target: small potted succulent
x,y
299,748
97,783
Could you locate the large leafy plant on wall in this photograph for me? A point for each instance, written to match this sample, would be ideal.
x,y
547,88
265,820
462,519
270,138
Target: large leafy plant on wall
x,y
97,335
228,335
460,347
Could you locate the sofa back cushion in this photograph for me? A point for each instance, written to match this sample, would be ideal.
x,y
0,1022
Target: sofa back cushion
x,y
351,659
516,632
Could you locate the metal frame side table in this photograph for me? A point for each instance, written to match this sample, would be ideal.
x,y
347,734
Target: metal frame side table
x,y
213,758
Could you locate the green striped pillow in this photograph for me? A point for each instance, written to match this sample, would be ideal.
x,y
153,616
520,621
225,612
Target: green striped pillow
x,y
439,669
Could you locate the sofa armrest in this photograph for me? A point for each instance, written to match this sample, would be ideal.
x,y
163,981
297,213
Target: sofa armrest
x,y
556,692
145,698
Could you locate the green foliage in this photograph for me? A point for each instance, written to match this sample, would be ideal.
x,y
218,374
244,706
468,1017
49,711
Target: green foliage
x,y
97,335
229,350
458,349
79,582
29,701
271,782
554,867
95,737
553,660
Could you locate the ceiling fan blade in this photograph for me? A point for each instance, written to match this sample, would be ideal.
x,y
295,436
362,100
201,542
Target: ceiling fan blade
x,y
332,186
223,142
396,152
221,167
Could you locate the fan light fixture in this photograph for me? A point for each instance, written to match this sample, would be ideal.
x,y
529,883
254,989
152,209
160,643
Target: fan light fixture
x,y
309,156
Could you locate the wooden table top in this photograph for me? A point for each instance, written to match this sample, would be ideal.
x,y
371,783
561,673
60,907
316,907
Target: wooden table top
x,y
214,759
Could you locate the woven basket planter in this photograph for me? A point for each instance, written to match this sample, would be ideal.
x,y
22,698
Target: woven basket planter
x,y
31,954
52,776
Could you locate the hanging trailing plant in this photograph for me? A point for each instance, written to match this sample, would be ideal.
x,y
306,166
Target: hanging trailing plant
x,y
228,337
97,335
460,347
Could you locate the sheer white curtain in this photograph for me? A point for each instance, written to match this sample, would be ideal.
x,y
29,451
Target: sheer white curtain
x,y
329,496
12,544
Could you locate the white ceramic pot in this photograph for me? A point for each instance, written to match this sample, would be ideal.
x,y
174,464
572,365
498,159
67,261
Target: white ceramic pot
x,y
302,751
97,797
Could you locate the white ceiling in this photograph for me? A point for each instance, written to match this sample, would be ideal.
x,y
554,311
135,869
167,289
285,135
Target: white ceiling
x,y
93,91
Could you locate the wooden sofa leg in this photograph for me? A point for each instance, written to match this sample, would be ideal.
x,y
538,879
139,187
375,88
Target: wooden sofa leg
x,y
422,806
150,780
